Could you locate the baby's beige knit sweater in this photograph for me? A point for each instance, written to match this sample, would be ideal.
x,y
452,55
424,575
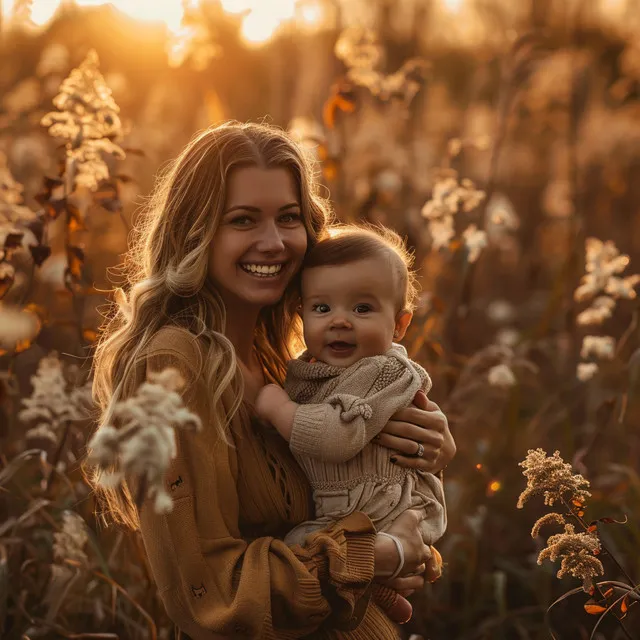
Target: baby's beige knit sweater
x,y
342,410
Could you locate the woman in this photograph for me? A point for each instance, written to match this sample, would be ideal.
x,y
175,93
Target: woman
x,y
213,280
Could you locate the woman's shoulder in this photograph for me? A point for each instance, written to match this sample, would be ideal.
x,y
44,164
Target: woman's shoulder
x,y
174,338
176,344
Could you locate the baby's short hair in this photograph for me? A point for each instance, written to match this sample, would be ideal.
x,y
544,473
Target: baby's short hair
x,y
352,242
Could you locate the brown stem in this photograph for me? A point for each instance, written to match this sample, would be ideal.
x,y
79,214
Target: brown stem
x,y
77,301
123,592
57,454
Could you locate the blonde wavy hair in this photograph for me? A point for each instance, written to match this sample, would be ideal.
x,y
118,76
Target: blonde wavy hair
x,y
165,277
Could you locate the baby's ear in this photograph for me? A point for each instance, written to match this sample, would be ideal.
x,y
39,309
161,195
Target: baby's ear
x,y
403,320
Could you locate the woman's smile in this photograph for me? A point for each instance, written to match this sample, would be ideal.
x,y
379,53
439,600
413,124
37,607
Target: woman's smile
x,y
261,270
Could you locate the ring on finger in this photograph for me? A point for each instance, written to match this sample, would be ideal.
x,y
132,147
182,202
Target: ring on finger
x,y
420,452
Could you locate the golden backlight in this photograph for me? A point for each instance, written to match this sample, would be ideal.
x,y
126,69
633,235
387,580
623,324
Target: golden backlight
x,y
260,18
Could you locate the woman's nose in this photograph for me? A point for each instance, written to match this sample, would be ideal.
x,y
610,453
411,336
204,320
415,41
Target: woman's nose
x,y
270,239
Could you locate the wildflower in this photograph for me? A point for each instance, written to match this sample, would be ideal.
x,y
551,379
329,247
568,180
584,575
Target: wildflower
x,y
507,337
501,376
501,217
577,553
12,212
475,240
361,52
586,371
87,118
144,444
441,232
601,309
603,261
51,403
69,543
622,287
547,518
551,476
500,311
600,346
358,47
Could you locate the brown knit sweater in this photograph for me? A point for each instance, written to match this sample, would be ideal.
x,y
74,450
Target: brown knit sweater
x,y
218,559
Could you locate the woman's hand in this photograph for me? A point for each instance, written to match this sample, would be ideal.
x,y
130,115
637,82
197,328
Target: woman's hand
x,y
423,424
406,527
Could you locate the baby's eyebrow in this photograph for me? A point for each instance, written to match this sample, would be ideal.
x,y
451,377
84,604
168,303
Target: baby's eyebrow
x,y
314,298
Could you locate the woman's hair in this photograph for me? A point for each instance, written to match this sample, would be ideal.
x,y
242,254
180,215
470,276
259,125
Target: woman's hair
x,y
166,269
350,243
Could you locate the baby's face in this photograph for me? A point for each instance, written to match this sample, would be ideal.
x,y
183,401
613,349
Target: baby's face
x,y
349,311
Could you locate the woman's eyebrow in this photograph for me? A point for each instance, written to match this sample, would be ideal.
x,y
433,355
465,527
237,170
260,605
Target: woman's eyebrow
x,y
247,207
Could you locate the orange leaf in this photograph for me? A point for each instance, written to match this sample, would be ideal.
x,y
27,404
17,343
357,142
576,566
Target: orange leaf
x,y
330,170
341,99
89,335
608,592
580,513
577,503
591,528
23,345
624,607
75,224
594,609
75,257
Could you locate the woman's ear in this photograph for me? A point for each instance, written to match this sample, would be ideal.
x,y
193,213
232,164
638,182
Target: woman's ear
x,y
403,320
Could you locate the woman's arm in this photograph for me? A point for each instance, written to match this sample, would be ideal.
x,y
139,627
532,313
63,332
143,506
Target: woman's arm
x,y
423,424
213,582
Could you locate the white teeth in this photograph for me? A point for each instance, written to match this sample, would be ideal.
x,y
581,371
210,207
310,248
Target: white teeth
x,y
263,269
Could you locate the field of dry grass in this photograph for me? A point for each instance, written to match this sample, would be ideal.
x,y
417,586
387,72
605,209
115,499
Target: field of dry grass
x,y
502,139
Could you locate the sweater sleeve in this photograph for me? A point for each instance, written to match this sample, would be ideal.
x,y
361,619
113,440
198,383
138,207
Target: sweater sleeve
x,y
342,426
216,584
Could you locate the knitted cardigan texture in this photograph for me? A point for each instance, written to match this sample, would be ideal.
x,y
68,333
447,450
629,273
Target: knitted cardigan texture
x,y
341,410
218,559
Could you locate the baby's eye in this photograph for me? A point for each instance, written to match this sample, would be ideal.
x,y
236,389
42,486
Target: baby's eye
x,y
321,307
362,308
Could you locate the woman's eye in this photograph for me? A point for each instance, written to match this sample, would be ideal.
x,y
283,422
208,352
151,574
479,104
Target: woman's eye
x,y
321,308
241,221
288,218
363,308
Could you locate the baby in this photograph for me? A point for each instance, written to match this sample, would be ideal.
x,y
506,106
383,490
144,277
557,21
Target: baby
x,y
358,293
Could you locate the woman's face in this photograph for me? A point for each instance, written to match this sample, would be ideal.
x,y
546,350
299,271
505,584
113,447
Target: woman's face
x,y
261,241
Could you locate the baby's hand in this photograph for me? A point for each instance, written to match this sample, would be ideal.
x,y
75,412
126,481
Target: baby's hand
x,y
274,406
269,398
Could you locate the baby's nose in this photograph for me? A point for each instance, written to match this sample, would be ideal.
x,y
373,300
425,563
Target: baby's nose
x,y
340,321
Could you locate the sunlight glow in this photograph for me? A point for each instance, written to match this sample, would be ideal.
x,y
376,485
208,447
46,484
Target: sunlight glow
x,y
453,5
260,19
265,18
